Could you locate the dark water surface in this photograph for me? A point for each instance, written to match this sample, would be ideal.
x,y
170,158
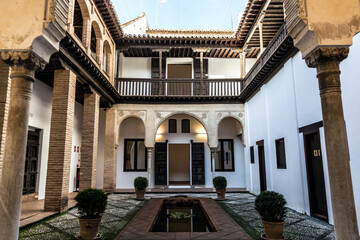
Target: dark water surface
x,y
196,223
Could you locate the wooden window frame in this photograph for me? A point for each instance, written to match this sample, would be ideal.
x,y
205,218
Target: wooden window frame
x,y
221,142
136,140
169,129
252,155
182,125
280,163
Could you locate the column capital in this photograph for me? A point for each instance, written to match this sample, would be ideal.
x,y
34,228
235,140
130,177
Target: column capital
x,y
28,59
324,54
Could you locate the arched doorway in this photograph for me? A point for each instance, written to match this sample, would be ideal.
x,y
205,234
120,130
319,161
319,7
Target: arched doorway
x,y
229,155
180,152
131,152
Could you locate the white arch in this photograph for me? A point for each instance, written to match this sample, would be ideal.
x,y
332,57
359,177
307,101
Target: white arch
x,y
183,113
122,119
240,120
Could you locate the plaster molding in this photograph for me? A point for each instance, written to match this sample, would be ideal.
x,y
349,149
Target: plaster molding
x,y
238,115
26,58
124,114
323,54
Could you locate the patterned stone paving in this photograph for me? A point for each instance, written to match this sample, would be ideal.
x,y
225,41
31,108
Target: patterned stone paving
x,y
122,207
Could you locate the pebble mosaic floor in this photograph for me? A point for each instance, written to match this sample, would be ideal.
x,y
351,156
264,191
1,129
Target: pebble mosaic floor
x,y
122,207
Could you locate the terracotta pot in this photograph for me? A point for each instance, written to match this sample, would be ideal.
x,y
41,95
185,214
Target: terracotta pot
x,y
273,230
89,228
221,194
140,194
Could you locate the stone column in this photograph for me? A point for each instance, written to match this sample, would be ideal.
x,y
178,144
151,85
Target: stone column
x,y
110,151
149,155
5,84
327,61
62,121
23,66
213,152
89,143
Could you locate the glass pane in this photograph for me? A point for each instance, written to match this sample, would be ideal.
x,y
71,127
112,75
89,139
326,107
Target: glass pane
x,y
228,158
141,158
218,157
185,126
129,155
172,125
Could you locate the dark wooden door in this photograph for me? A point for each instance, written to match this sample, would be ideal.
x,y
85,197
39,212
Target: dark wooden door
x,y
198,167
161,163
262,168
315,176
31,162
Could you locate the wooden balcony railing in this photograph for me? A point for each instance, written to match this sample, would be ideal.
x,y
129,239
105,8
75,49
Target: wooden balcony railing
x,y
179,87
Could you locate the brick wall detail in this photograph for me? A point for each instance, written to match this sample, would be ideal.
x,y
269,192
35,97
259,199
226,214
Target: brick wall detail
x,y
110,151
89,144
62,121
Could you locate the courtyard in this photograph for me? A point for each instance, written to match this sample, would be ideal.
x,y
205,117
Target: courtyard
x,y
121,208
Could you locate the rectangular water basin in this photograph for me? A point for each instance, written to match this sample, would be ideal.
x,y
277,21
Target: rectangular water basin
x,y
181,218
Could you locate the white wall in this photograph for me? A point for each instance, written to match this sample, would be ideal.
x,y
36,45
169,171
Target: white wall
x,y
291,100
137,27
40,117
224,68
350,85
249,63
135,67
130,128
76,142
101,152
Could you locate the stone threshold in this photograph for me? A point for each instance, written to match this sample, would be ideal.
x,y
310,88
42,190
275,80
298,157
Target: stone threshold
x,y
141,225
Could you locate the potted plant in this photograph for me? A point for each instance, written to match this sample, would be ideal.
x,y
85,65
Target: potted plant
x,y
271,208
220,184
91,204
140,184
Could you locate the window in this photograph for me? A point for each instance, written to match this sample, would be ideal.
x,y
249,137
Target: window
x,y
135,155
252,158
280,153
185,126
172,125
224,157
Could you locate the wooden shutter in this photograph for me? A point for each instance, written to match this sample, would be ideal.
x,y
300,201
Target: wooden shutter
x,y
155,67
197,72
197,68
206,68
198,167
161,163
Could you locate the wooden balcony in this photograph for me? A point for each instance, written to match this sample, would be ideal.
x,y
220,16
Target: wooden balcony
x,y
179,88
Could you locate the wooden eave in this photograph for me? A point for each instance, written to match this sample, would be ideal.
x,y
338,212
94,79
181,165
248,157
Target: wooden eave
x,y
276,54
272,21
75,57
179,99
183,47
110,18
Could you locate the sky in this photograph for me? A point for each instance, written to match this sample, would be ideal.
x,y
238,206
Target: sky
x,y
183,14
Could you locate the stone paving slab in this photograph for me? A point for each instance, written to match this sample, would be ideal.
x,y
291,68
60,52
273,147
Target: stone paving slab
x,y
122,207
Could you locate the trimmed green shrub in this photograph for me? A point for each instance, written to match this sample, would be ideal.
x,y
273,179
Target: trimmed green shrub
x,y
141,183
91,203
220,182
271,206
